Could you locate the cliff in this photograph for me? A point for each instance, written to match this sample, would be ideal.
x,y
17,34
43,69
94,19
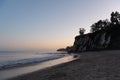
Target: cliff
x,y
100,40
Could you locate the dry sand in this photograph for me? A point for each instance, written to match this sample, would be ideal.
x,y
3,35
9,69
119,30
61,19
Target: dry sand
x,y
102,65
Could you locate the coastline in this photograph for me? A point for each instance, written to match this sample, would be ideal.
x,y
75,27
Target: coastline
x,y
26,69
99,65
32,61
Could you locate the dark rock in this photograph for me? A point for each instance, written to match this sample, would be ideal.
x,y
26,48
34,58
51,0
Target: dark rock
x,y
61,49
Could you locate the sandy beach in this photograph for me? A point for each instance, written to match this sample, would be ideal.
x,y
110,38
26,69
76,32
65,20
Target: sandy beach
x,y
99,65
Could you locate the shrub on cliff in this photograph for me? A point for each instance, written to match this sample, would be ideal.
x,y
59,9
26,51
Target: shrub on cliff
x,y
105,24
82,31
115,18
101,24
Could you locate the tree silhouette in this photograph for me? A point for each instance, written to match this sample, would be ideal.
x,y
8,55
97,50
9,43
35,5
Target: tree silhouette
x,y
104,24
82,31
101,24
115,18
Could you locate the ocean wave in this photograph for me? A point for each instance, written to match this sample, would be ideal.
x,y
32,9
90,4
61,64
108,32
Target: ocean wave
x,y
18,63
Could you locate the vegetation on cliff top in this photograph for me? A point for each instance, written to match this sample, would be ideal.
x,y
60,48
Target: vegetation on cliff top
x,y
104,24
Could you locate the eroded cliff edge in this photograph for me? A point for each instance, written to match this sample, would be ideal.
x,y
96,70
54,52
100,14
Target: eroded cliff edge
x,y
107,39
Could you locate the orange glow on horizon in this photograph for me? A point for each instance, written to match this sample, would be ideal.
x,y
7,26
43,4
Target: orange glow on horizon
x,y
44,46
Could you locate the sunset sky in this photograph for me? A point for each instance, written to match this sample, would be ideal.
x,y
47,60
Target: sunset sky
x,y
48,24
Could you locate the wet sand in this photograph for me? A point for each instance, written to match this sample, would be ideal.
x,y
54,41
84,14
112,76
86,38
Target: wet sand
x,y
102,65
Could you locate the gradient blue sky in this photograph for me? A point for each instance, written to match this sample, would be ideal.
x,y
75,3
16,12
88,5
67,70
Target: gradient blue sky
x,y
48,24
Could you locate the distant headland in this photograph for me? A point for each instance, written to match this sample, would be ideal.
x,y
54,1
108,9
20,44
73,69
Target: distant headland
x,y
104,35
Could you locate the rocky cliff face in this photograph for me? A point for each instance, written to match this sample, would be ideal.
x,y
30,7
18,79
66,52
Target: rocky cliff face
x,y
100,40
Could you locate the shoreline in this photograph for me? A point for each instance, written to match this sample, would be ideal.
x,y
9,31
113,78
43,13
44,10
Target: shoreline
x,y
18,65
61,54
103,65
6,74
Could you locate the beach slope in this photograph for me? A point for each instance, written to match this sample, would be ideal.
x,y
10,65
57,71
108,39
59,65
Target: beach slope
x,y
102,65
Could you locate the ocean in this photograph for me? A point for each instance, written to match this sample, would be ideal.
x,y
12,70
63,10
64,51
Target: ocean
x,y
9,59
23,62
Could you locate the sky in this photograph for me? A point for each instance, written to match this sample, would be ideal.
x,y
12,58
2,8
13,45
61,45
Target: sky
x,y
48,24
